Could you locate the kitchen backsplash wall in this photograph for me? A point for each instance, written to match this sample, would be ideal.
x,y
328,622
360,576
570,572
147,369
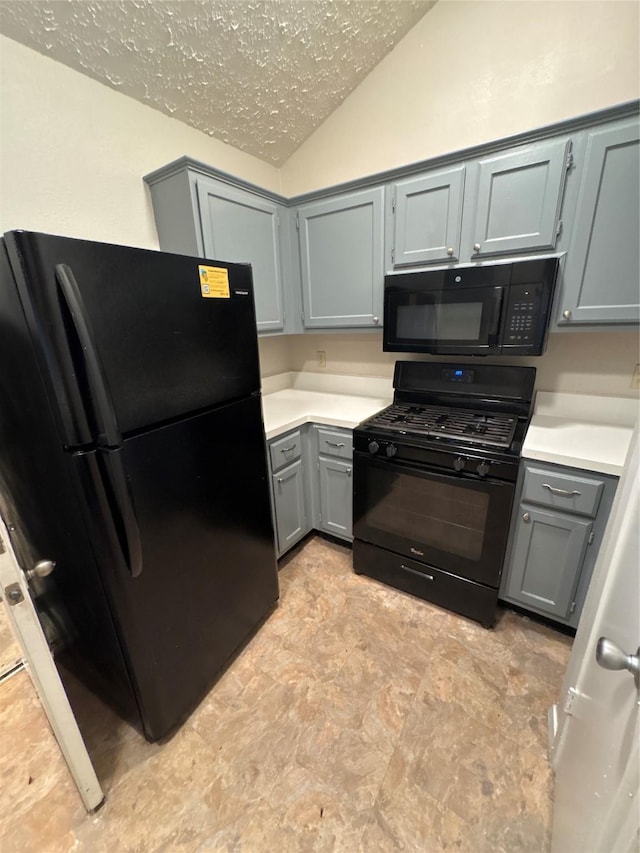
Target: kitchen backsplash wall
x,y
597,363
470,72
73,153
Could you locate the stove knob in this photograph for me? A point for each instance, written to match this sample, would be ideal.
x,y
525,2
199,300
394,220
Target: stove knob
x,y
458,463
391,450
374,447
483,468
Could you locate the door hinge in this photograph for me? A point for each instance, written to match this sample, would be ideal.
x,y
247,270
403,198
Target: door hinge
x,y
559,229
393,256
298,221
569,163
573,607
572,695
393,205
590,540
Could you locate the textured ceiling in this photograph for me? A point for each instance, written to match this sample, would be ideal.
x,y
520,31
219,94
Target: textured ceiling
x,y
261,76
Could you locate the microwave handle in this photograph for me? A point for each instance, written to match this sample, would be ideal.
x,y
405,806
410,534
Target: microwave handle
x,y
494,329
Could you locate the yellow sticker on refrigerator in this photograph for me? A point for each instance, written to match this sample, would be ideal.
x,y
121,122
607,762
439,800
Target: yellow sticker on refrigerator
x,y
214,282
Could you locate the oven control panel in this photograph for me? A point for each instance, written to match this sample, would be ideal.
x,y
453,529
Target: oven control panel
x,y
465,464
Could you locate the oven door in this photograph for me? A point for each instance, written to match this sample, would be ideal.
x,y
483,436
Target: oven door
x,y
449,321
453,522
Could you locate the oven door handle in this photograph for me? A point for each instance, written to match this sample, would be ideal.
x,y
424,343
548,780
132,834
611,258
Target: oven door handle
x,y
494,330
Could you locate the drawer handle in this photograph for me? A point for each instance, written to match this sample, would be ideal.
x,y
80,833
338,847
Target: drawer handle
x,y
333,443
413,571
287,449
563,492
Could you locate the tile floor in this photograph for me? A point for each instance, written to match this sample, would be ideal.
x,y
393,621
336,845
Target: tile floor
x,y
358,719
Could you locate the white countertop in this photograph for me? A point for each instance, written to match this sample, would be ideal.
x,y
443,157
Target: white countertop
x,y
331,401
592,433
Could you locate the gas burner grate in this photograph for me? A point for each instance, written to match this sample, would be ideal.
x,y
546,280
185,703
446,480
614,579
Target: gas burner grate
x,y
463,425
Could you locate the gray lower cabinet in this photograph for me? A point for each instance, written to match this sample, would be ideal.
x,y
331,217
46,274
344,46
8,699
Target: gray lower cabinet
x,y
342,260
514,204
426,217
311,483
556,529
335,482
289,506
602,269
289,489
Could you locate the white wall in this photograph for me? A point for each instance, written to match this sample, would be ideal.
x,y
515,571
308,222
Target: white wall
x,y
73,153
471,72
598,363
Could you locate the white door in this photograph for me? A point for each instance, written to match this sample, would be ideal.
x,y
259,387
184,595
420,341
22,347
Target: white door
x,y
596,752
39,663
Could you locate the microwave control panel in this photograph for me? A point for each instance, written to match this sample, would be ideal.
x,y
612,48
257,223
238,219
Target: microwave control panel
x,y
521,326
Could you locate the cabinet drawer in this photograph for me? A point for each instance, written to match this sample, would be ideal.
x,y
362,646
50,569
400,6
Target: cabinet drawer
x,y
335,443
285,450
569,493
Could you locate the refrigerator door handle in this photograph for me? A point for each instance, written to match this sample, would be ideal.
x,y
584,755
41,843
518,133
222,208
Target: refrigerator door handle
x,y
125,514
100,396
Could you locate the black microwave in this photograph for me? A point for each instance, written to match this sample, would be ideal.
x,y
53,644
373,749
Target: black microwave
x,y
488,309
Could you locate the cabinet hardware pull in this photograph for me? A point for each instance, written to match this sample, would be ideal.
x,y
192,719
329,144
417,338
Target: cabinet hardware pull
x,y
376,320
526,517
476,247
348,472
566,314
287,449
333,443
280,480
563,492
450,251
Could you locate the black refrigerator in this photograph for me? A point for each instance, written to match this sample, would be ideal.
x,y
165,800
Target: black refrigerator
x,y
132,454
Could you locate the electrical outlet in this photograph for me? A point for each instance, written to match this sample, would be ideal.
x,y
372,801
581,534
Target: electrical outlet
x,y
322,358
635,377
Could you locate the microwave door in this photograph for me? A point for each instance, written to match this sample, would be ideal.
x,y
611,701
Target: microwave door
x,y
465,321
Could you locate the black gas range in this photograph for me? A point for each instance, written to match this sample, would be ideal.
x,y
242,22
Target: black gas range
x,y
434,481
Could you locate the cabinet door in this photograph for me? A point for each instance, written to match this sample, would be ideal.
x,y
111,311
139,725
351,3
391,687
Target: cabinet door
x,y
428,214
342,260
518,202
546,560
602,269
239,226
336,497
289,505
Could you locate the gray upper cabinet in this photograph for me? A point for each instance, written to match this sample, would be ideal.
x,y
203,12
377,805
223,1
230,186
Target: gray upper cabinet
x,y
342,260
199,214
518,200
426,219
240,226
601,274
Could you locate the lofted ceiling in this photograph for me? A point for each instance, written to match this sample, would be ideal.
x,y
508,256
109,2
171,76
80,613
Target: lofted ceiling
x,y
261,75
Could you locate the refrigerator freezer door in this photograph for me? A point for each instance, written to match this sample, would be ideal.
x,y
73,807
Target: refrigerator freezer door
x,y
208,572
174,335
